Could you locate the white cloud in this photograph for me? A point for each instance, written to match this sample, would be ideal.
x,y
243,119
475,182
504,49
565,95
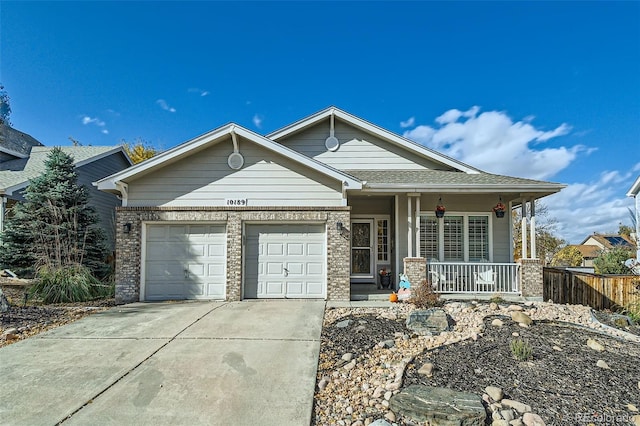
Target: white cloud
x,y
163,104
89,120
201,92
410,122
493,142
257,120
561,130
600,205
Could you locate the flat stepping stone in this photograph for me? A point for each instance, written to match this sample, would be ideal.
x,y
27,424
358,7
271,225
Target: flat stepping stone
x,y
439,406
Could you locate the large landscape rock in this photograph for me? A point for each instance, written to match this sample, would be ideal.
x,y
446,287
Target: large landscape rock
x,y
439,406
430,321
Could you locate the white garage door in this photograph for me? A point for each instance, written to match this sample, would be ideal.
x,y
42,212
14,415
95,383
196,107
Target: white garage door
x,y
185,261
285,261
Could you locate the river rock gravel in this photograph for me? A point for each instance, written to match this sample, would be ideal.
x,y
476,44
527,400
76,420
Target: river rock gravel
x,y
562,383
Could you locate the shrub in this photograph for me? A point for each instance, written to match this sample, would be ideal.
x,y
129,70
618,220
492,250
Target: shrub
x,y
632,310
612,261
423,296
497,298
521,350
73,283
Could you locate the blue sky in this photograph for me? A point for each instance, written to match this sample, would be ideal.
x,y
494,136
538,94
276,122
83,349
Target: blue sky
x,y
545,90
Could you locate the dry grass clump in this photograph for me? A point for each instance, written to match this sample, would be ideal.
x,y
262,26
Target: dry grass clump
x,y
423,296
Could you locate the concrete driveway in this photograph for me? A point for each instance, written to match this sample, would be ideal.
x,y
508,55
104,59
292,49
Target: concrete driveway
x,y
208,363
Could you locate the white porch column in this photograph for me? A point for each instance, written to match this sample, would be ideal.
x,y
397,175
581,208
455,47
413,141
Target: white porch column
x,y
417,226
637,200
409,228
523,228
532,228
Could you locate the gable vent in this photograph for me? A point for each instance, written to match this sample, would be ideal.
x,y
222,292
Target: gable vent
x,y
332,143
235,160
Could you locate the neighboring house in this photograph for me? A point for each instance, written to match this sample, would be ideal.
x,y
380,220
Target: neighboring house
x,y
22,158
310,209
633,192
594,245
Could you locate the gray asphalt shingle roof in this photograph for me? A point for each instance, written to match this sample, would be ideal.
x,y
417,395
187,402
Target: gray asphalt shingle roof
x,y
15,140
16,172
440,178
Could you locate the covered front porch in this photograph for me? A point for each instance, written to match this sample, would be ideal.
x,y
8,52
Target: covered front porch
x,y
464,247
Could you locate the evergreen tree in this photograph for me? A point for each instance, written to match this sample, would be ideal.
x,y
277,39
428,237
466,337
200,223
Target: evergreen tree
x,y
5,107
55,226
17,243
612,261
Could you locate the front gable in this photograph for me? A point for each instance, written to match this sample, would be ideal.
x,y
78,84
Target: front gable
x,y
198,173
363,146
206,180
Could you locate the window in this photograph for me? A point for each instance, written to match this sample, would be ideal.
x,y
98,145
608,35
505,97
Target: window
x,y
429,247
478,238
383,240
455,238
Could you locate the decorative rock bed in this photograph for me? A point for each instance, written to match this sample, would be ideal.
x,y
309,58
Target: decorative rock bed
x,y
560,384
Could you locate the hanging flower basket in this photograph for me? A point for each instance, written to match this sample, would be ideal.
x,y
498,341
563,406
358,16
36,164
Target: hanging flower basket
x,y
440,210
499,210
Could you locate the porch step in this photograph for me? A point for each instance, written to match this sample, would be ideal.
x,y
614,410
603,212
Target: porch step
x,y
372,296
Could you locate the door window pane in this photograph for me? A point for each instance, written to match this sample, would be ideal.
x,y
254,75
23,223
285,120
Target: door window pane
x,y
383,240
360,235
361,261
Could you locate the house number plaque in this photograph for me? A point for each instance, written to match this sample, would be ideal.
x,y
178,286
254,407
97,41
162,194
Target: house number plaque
x,y
236,202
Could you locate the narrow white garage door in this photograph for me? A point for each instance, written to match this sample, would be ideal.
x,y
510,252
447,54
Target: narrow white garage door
x,y
285,261
185,261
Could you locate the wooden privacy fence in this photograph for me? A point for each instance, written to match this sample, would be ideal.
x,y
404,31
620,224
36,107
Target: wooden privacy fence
x,y
583,288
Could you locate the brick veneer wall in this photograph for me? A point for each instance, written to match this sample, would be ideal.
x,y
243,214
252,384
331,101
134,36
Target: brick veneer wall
x,y
416,269
531,277
129,246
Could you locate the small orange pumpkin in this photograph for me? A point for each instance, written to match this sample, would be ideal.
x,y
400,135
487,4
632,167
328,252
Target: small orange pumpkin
x,y
393,297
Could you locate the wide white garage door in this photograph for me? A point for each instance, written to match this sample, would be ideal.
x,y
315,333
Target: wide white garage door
x,y
185,261
285,261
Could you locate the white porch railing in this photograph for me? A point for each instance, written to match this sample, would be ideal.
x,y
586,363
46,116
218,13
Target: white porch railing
x,y
473,277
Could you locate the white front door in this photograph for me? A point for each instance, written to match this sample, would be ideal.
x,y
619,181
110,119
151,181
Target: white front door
x,y
185,261
362,248
285,261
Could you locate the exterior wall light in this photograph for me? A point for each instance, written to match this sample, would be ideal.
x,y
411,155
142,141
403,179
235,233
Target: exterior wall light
x,y
126,228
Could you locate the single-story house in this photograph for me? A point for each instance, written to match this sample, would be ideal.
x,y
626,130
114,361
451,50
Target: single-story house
x,y
22,158
310,210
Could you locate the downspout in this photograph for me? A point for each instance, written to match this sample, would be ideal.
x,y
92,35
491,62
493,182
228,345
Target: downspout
x,y
234,139
417,227
523,228
637,200
409,228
